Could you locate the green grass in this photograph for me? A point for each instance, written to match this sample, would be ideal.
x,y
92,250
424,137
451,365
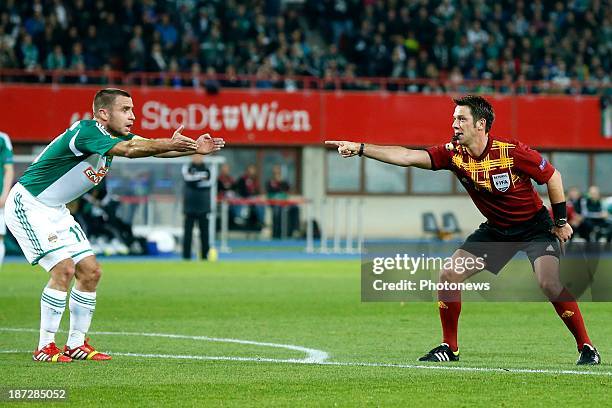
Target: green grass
x,y
309,304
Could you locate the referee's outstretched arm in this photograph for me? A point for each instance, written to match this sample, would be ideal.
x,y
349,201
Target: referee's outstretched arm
x,y
398,155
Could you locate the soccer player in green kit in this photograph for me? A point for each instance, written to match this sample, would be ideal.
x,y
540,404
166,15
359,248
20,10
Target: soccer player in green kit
x,y
36,213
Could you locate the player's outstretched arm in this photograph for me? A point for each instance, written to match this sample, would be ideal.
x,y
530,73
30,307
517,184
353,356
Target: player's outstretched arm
x,y
398,155
206,144
141,147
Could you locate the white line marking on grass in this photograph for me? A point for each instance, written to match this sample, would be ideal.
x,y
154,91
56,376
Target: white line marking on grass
x,y
348,364
312,355
481,369
315,357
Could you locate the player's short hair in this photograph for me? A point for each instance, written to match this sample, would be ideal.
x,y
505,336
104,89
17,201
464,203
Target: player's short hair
x,y
105,98
480,108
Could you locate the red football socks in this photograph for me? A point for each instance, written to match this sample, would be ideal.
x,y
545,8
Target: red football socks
x,y
569,312
449,303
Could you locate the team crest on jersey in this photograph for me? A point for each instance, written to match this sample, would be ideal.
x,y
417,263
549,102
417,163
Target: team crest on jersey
x,y
93,176
501,181
52,238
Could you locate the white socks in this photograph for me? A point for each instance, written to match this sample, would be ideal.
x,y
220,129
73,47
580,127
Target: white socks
x,y
52,305
82,306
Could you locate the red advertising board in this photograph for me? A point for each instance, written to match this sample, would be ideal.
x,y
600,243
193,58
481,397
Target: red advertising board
x,y
246,117
258,117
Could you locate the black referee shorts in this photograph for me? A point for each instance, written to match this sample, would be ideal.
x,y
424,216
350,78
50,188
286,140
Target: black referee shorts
x,y
497,245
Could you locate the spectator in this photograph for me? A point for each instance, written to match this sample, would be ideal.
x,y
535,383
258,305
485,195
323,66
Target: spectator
x,y
476,35
195,79
231,79
7,55
277,188
573,202
248,187
225,183
29,52
226,189
35,24
596,223
78,75
157,60
135,55
56,59
76,58
211,83
168,33
173,78
93,49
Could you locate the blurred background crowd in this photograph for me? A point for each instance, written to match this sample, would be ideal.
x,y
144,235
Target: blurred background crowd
x,y
423,46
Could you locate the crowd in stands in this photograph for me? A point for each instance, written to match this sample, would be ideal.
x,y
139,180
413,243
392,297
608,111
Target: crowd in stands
x,y
444,43
590,215
252,216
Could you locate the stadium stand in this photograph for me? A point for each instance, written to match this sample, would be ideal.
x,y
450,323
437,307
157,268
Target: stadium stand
x,y
430,46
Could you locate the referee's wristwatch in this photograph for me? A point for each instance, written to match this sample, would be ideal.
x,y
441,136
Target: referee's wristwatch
x,y
560,223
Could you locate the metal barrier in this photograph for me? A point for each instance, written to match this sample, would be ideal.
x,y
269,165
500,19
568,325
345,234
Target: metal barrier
x,y
351,234
284,205
185,80
345,239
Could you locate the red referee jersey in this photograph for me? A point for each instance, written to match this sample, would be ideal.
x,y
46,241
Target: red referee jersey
x,y
499,181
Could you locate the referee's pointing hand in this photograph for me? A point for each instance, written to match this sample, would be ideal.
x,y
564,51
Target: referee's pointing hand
x,y
345,148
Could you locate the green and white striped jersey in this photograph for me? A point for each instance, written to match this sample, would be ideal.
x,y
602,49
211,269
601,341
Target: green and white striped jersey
x,y
72,164
6,156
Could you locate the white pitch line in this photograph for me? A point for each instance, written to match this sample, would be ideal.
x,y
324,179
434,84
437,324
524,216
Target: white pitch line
x,y
477,369
306,361
312,355
348,364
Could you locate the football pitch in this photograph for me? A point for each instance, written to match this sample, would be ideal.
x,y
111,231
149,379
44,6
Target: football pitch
x,y
294,333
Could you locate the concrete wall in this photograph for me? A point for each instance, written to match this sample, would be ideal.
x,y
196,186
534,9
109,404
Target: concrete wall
x,y
383,216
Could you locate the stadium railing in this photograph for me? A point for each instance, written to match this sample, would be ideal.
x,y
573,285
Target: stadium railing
x,y
213,83
283,204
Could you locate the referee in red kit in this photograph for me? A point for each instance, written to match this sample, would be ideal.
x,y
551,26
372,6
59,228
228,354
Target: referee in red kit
x,y
497,174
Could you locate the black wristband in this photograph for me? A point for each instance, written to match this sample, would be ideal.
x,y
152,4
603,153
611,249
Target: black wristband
x,y
560,213
361,150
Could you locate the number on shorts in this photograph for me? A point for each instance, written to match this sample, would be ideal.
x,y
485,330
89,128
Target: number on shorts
x,y
78,233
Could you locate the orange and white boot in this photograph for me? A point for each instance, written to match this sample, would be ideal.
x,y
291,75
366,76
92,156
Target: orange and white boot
x,y
51,354
85,352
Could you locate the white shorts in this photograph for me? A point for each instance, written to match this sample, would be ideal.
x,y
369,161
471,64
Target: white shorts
x,y
2,223
46,235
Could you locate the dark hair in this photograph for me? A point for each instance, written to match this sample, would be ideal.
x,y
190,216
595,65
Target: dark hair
x,y
106,97
480,108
